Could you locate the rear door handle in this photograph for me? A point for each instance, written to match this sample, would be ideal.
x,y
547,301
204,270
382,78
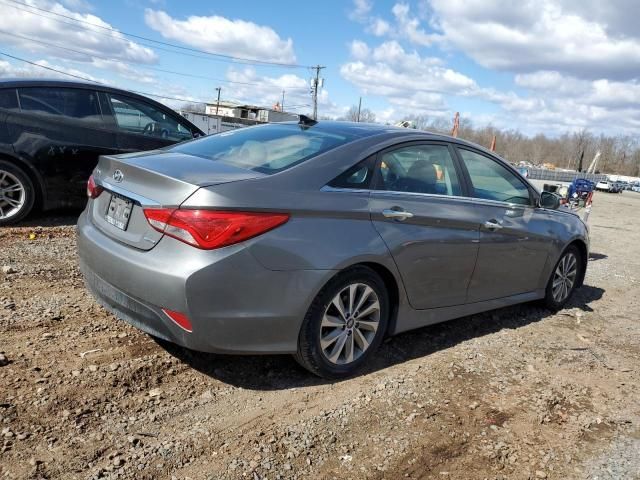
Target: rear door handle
x,y
396,214
492,225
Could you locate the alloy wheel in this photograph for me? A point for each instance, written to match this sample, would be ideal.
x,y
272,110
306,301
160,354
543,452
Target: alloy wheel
x,y
564,277
349,324
12,195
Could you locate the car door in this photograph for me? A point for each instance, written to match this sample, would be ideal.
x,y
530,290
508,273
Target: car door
x,y
514,242
143,126
419,210
61,130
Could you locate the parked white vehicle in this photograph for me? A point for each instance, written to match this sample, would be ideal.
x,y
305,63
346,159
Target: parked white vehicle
x,y
603,185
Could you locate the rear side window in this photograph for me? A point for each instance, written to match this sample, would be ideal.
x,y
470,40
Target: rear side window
x,y
492,181
267,148
63,102
9,99
359,176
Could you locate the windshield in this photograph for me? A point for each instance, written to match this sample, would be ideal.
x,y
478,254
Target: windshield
x,y
267,148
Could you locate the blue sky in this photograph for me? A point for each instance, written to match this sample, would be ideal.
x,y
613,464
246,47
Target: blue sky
x,y
539,66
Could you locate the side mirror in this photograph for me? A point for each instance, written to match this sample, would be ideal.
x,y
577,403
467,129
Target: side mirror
x,y
549,200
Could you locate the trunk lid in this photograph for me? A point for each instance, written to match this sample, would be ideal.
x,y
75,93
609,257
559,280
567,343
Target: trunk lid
x,y
151,180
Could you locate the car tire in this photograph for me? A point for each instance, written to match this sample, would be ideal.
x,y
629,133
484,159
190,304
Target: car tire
x,y
564,279
345,324
17,193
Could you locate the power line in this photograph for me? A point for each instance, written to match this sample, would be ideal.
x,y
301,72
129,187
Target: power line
x,y
91,54
231,58
186,100
52,69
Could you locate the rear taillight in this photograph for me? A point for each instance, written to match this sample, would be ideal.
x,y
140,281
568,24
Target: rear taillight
x,y
209,229
93,190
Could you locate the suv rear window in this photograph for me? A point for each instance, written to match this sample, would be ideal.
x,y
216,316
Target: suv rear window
x,y
266,149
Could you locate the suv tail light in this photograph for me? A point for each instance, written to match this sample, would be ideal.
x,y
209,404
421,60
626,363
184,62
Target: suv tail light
x,y
93,190
209,229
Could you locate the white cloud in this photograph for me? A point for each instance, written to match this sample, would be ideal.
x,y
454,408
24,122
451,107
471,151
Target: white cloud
x,y
96,41
220,35
10,70
406,79
378,27
361,9
359,50
267,91
408,26
561,35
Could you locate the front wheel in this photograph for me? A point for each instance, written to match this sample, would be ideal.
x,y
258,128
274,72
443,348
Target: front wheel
x,y
564,279
17,194
344,324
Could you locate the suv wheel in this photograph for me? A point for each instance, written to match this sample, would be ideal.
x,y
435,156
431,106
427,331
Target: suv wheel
x,y
345,324
563,279
17,194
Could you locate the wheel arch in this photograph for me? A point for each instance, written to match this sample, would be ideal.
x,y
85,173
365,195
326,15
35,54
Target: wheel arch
x,y
584,253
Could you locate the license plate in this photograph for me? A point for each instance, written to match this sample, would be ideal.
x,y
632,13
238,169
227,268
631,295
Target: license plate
x,y
119,211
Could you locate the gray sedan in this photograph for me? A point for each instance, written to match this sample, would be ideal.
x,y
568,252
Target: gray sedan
x,y
319,239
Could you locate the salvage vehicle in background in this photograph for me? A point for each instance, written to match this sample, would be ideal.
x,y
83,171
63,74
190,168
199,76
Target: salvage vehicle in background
x,y
603,186
52,133
319,239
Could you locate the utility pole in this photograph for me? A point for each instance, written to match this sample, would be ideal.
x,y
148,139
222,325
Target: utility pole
x,y
282,104
314,90
359,106
218,104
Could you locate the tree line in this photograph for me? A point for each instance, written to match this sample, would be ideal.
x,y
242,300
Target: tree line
x,y
618,154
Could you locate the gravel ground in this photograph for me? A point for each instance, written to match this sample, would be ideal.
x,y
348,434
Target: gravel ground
x,y
517,393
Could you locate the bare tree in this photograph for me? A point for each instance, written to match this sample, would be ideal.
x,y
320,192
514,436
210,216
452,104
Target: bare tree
x,y
366,115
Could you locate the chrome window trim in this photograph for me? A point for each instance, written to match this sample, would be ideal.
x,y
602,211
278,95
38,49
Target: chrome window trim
x,y
328,188
435,196
143,201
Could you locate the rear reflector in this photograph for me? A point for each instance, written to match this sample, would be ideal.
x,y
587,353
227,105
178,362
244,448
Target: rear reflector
x,y
179,319
209,229
93,190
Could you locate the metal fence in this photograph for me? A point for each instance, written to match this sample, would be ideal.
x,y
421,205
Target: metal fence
x,y
560,176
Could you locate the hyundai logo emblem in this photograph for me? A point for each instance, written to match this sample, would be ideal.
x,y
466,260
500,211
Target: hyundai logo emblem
x,y
118,176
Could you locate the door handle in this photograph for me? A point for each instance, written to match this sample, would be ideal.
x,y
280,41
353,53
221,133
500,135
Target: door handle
x,y
492,225
396,214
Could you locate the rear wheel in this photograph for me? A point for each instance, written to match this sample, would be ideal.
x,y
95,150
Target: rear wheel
x,y
17,194
345,324
564,279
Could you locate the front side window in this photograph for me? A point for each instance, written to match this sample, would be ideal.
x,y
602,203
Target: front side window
x,y
492,181
135,116
266,149
73,103
419,169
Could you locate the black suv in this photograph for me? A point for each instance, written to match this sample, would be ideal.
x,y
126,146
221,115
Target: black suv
x,y
52,133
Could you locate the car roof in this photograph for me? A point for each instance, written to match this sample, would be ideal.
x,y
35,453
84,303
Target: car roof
x,y
52,82
44,82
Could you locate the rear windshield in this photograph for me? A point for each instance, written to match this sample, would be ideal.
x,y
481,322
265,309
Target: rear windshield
x,y
267,148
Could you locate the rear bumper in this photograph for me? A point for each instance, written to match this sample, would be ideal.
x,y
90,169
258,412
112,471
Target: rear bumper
x,y
235,305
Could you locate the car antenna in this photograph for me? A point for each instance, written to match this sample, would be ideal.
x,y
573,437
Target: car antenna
x,y
306,121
